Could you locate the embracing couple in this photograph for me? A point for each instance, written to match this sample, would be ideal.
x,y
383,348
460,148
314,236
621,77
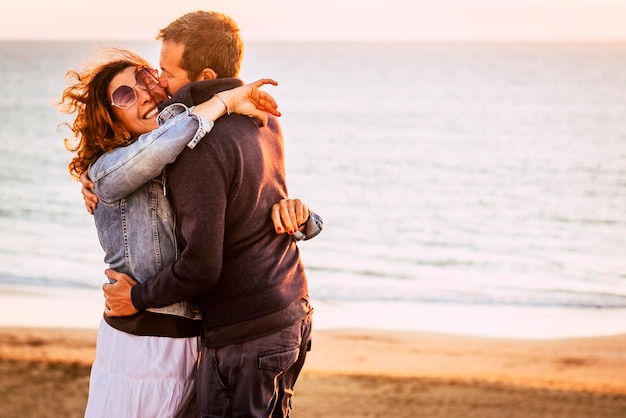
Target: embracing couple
x,y
207,311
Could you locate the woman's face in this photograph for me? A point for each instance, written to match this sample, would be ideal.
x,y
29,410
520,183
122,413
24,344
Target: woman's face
x,y
140,117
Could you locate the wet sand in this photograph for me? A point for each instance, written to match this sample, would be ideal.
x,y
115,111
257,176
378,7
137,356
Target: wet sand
x,y
362,373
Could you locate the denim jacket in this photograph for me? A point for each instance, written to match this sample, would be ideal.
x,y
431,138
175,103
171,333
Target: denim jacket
x,y
134,219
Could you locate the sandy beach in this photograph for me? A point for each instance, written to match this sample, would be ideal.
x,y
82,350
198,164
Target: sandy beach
x,y
364,373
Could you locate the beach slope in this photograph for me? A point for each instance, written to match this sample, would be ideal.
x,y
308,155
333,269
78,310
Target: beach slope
x,y
362,373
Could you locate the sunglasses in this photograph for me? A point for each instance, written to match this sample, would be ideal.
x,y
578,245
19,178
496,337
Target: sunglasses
x,y
124,97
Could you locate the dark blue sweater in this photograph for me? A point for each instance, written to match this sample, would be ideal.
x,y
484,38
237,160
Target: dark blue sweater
x,y
231,264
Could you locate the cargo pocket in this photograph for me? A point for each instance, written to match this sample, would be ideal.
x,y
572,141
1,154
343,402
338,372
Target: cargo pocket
x,y
278,360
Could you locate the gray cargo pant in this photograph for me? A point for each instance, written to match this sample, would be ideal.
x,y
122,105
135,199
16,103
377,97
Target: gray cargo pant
x,y
255,378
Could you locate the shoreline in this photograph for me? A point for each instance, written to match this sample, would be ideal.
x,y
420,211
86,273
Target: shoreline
x,y
447,367
67,307
359,372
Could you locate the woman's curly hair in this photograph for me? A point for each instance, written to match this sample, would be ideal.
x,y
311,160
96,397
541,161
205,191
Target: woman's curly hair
x,y
95,129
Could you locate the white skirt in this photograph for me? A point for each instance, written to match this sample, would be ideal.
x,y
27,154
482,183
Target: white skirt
x,y
141,377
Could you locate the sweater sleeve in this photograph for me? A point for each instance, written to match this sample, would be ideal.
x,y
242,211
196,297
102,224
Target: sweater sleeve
x,y
199,185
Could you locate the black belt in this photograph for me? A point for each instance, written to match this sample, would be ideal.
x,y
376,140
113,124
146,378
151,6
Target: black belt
x,y
153,324
258,327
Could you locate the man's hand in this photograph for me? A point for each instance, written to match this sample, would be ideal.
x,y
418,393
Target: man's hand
x,y
289,215
91,200
117,295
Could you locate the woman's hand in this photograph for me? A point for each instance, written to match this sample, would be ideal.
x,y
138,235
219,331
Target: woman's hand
x,y
91,200
289,215
250,100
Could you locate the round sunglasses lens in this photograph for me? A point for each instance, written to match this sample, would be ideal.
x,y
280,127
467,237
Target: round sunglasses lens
x,y
124,97
147,78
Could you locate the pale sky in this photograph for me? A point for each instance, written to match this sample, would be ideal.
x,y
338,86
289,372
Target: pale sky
x,y
325,19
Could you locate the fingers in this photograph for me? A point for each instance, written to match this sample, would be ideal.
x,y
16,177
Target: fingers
x,y
90,198
263,81
90,209
294,208
288,214
260,115
278,224
118,294
86,182
263,100
267,103
301,212
250,101
119,277
305,216
111,275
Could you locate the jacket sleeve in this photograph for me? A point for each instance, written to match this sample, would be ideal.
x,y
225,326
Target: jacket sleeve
x,y
312,227
120,172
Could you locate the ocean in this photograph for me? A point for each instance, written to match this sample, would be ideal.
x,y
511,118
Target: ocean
x,y
474,188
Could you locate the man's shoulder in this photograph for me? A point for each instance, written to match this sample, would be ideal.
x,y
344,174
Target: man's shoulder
x,y
236,127
197,92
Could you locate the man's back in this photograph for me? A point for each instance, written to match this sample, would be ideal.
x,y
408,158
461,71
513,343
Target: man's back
x,y
242,172
248,281
231,263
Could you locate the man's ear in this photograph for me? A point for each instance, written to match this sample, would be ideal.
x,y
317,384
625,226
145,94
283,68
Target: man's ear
x,y
207,74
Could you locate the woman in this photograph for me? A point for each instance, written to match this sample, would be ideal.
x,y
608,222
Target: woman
x,y
144,364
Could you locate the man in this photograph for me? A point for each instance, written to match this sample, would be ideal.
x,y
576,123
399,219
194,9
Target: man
x,y
251,286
